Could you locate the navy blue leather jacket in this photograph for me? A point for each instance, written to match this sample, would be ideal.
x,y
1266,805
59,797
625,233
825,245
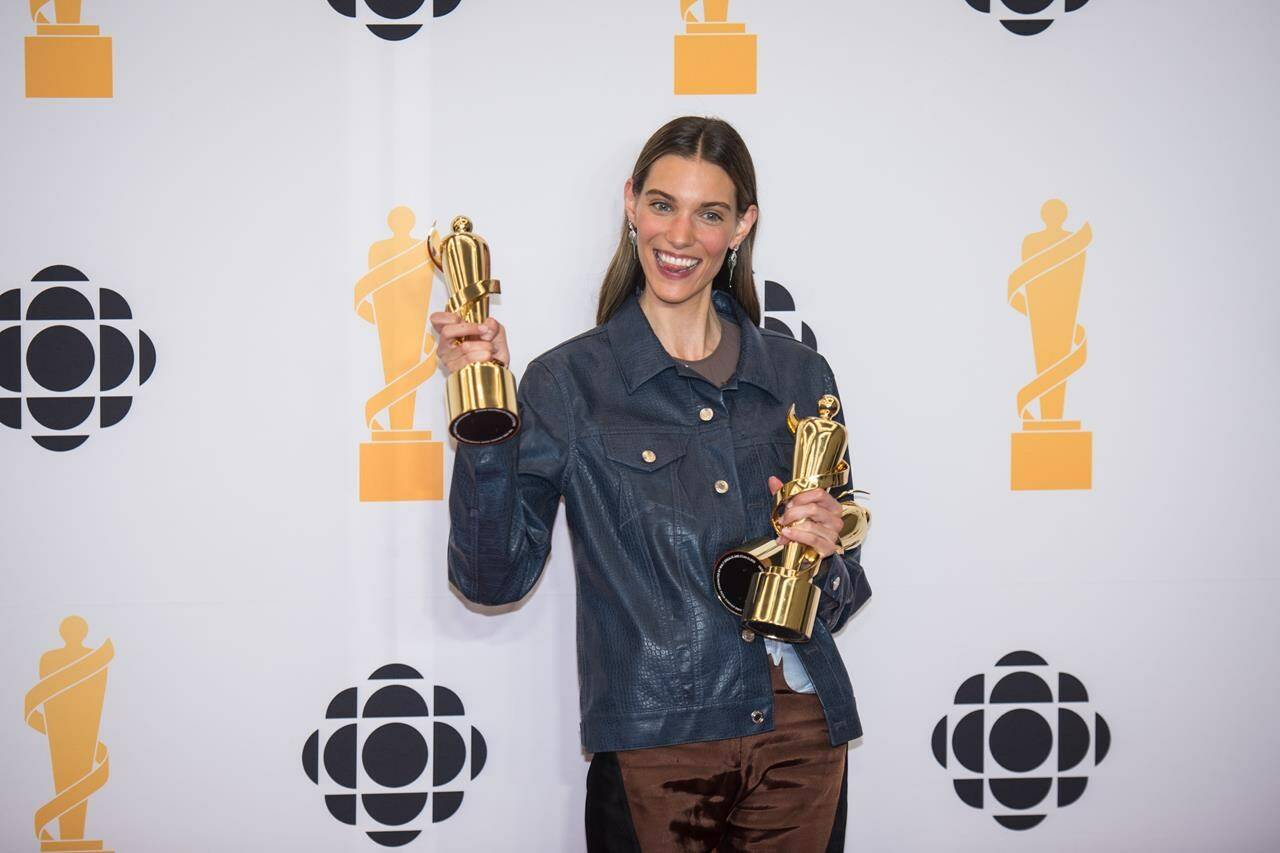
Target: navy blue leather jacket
x,y
660,660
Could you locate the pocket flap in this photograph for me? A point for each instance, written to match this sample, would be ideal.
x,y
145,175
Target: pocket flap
x,y
644,451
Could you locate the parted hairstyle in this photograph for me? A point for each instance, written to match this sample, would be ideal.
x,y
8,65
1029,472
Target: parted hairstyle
x,y
696,138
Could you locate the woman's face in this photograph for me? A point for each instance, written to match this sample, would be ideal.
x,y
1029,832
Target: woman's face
x,y
685,223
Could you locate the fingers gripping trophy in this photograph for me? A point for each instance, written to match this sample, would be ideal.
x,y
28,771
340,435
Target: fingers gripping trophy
x,y
481,394
770,585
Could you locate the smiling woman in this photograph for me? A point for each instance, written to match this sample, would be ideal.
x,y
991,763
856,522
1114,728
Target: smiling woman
x,y
657,429
704,161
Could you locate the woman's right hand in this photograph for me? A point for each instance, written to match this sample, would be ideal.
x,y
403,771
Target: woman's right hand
x,y
486,341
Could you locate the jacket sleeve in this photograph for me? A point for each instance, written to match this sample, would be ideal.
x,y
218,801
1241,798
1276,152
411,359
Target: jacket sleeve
x,y
504,497
842,599
844,583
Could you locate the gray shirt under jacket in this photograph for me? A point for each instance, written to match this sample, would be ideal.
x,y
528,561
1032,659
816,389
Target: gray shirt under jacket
x,y
654,491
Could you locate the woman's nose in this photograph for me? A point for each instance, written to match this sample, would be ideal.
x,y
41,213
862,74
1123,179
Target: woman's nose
x,y
681,232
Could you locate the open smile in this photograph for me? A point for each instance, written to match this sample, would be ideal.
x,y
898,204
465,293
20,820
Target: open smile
x,y
675,266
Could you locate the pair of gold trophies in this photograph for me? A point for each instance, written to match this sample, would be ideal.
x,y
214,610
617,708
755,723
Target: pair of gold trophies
x,y
769,586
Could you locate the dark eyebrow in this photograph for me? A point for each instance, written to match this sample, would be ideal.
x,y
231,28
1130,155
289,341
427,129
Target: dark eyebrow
x,y
670,197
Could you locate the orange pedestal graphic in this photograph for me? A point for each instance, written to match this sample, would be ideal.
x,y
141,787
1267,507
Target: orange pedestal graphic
x,y
1044,459
68,61
411,470
715,63
80,846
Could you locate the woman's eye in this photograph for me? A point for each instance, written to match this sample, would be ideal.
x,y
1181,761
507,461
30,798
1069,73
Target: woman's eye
x,y
712,216
660,206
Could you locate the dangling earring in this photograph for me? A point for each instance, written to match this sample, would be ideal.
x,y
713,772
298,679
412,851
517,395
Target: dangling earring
x,y
635,251
733,261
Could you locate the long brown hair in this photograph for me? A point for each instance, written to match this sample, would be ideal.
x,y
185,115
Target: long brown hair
x,y
696,138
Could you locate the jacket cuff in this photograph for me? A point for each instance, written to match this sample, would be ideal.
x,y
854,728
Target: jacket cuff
x,y
844,589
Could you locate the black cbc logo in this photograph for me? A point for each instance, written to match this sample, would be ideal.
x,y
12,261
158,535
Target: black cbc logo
x,y
72,350
778,300
1025,17
1035,740
392,20
377,756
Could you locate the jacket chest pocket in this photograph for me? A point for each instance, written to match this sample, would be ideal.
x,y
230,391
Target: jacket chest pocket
x,y
647,466
771,458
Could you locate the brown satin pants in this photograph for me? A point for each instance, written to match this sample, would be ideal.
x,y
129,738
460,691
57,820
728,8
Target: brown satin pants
x,y
775,791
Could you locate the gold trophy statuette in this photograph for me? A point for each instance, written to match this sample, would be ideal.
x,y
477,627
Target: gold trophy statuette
x,y
482,394
66,707
780,599
66,58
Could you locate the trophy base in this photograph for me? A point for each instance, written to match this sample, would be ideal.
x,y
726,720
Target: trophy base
x,y
408,469
734,570
68,61
482,403
1044,459
732,578
716,63
781,607
76,846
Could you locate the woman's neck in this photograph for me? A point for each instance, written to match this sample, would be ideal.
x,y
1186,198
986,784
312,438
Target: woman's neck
x,y
689,331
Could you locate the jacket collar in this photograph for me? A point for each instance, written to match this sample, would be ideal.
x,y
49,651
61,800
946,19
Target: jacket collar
x,y
641,357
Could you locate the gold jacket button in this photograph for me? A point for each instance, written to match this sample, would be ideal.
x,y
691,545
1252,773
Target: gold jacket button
x,y
706,414
648,455
757,717
748,635
722,486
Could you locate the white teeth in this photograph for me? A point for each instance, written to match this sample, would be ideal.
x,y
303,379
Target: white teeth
x,y
672,260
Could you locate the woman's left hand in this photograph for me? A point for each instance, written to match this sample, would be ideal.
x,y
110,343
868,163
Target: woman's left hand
x,y
811,518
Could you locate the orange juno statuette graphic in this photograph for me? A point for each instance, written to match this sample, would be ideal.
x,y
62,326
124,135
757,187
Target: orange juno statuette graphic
x,y
66,58
66,707
1051,452
714,56
400,463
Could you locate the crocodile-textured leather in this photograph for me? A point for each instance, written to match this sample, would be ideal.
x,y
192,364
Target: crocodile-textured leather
x,y
611,423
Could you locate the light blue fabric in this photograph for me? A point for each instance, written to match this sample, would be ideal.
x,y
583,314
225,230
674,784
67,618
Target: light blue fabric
x,y
793,671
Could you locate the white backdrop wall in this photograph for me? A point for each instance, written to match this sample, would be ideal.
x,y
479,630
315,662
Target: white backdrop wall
x,y
231,188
